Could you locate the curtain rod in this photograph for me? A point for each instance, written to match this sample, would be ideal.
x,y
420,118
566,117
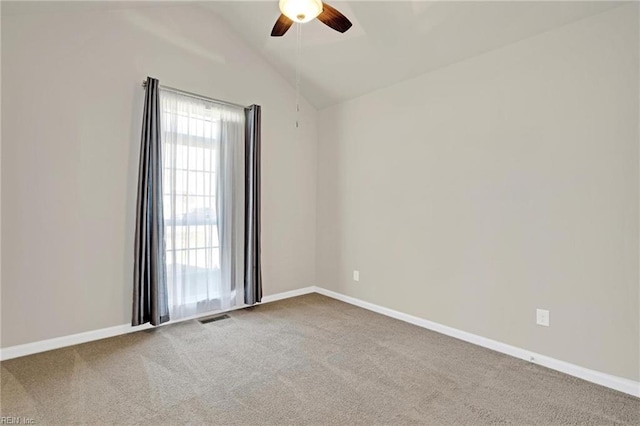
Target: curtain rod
x,y
193,95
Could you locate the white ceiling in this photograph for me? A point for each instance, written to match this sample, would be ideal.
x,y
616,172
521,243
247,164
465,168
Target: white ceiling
x,y
391,41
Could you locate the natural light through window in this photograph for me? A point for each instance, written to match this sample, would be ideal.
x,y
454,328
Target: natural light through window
x,y
192,148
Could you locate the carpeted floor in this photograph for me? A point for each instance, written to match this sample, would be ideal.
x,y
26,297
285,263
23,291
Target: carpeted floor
x,y
306,360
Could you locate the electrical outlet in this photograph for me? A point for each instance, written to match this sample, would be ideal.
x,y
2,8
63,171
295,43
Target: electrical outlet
x,y
356,275
542,317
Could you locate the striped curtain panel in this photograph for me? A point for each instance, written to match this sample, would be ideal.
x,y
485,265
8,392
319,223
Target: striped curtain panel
x,y
252,264
150,303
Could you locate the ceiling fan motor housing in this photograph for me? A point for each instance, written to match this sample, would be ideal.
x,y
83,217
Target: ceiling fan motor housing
x,y
301,10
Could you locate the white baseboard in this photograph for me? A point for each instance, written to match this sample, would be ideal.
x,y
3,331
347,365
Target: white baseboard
x,y
288,294
618,383
103,333
61,342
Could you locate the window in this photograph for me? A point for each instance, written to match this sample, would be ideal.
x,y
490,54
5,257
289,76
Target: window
x,y
203,187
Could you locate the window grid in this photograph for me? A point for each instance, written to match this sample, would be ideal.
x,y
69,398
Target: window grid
x,y
191,199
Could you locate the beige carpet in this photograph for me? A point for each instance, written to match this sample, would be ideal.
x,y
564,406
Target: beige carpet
x,y
307,360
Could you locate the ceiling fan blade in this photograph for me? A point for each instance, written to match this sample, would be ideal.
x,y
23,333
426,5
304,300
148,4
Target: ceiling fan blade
x,y
334,19
281,26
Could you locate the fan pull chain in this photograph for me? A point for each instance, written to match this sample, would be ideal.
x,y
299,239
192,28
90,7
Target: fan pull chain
x,y
298,61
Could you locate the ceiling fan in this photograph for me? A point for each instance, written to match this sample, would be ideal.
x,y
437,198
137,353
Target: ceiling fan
x,y
302,11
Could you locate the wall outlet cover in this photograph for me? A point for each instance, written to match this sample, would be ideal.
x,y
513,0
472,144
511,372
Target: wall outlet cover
x,y
542,317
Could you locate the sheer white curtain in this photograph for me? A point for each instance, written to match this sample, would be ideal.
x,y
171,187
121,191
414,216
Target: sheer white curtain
x,y
203,184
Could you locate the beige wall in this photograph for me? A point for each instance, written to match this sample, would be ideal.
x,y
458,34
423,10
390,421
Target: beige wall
x,y
72,105
474,194
468,196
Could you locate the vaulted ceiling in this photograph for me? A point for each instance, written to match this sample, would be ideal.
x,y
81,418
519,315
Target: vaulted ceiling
x,y
391,41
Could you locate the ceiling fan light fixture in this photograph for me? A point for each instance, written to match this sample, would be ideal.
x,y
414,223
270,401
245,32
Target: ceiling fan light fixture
x,y
301,10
